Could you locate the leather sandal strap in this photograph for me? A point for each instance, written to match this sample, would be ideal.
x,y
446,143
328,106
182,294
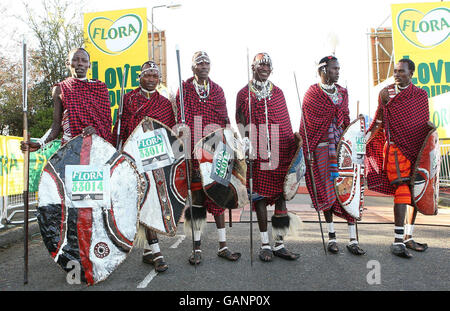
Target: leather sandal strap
x,y
148,253
277,248
222,249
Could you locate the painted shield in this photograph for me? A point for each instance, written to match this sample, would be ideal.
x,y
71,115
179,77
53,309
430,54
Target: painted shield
x,y
295,173
349,186
88,207
222,168
425,177
159,157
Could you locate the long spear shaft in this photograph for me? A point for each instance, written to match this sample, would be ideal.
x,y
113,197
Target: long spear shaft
x,y
187,153
250,161
26,162
119,117
358,116
310,162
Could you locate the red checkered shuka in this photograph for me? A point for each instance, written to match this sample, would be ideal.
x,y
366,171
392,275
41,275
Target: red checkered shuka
x,y
214,115
87,104
405,119
136,106
318,113
268,183
212,110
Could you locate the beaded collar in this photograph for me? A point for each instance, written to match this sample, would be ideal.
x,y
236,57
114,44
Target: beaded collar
x,y
261,89
202,90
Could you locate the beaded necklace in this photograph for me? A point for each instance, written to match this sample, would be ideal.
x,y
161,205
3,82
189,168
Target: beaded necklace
x,y
262,90
399,88
202,90
326,88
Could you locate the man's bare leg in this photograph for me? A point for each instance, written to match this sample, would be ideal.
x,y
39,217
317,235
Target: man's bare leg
x,y
224,252
409,228
265,253
332,243
398,248
154,251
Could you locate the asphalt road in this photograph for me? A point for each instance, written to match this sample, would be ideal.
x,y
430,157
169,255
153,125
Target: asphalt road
x,y
377,270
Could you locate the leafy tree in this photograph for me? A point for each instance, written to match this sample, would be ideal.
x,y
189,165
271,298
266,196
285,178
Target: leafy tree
x,y
56,30
10,97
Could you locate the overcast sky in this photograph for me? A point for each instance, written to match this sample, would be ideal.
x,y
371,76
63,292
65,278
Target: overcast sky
x,y
296,34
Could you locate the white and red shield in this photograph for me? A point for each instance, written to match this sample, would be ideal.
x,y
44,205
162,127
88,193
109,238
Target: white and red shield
x,y
159,157
222,168
349,185
425,177
88,207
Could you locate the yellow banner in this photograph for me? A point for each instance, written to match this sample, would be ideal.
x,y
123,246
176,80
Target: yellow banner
x,y
12,165
11,174
116,40
421,33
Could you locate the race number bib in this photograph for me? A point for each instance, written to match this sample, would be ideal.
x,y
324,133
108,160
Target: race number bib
x,y
154,151
222,164
88,185
358,148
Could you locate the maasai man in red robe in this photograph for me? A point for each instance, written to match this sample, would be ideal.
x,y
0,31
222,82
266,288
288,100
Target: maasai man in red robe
x,y
205,111
394,140
145,101
277,145
326,115
81,105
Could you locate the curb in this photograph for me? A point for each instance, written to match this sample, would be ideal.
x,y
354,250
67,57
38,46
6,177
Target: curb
x,y
15,234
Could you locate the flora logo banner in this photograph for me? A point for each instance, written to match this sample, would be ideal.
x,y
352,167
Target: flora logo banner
x,y
116,40
114,37
424,30
421,33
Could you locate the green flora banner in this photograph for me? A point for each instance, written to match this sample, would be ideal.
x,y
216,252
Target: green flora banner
x,y
11,173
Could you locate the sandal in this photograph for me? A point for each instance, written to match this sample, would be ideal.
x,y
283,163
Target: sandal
x,y
415,246
195,258
399,249
160,264
332,247
355,249
282,252
147,257
266,254
225,253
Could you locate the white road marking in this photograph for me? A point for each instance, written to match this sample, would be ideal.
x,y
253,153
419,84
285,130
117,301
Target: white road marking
x,y
153,273
178,242
147,279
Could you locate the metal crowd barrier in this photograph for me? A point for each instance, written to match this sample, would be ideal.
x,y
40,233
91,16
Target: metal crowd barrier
x,y
444,175
12,205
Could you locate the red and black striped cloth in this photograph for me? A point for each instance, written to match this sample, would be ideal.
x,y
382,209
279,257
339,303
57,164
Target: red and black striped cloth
x,y
87,104
136,106
318,113
268,183
405,120
214,115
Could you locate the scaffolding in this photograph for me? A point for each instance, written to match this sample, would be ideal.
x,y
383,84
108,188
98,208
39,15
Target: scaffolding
x,y
382,56
157,50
